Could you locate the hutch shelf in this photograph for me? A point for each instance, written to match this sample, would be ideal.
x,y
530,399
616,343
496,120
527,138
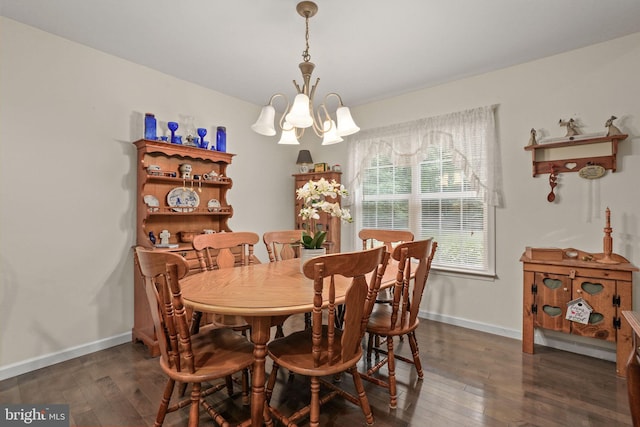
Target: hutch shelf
x,y
158,175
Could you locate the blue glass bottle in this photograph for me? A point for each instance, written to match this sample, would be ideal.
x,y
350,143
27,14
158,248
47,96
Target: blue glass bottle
x,y
221,139
150,127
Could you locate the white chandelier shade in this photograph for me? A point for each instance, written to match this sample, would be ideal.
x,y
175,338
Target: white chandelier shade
x,y
264,124
330,135
288,136
346,125
301,115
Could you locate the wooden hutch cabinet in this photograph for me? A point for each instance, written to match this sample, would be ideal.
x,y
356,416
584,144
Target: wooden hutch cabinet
x,y
166,201
555,277
330,224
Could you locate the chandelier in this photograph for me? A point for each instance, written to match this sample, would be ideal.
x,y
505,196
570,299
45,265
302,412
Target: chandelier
x,y
301,115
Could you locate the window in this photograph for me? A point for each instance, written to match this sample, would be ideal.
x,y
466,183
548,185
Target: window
x,y
417,179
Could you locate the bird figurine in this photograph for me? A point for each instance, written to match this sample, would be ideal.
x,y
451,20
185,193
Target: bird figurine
x,y
611,128
532,138
572,127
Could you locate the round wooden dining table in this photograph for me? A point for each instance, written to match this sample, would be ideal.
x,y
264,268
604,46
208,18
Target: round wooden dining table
x,y
263,294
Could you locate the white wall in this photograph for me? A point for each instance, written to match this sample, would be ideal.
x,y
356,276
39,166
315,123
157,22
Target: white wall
x,y
68,116
588,84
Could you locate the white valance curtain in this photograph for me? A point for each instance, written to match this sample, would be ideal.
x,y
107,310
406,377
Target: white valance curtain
x,y
471,134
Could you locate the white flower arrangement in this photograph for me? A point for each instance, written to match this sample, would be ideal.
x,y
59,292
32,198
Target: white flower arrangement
x,y
314,195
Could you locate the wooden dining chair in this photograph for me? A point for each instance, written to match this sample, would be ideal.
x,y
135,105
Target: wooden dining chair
x,y
633,386
401,317
212,354
372,237
282,245
224,250
324,349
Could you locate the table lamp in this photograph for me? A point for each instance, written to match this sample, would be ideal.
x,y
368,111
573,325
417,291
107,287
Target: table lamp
x,y
304,159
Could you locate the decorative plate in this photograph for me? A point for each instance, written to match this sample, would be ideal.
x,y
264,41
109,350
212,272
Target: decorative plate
x,y
592,172
213,205
152,202
183,199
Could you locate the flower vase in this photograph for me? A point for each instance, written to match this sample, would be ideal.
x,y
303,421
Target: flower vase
x,y
307,254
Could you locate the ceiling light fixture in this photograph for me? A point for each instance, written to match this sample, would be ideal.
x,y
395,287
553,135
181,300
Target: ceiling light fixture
x,y
301,115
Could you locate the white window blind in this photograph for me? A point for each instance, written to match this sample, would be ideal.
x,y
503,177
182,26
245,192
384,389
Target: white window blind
x,y
435,177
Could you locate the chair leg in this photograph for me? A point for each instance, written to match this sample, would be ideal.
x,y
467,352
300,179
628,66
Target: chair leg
x,y
369,346
339,319
362,396
194,414
314,414
229,382
391,366
194,410
245,387
164,404
413,343
195,322
307,320
271,382
266,414
182,388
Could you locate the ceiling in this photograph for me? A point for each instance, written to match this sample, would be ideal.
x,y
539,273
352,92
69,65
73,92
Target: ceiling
x,y
363,49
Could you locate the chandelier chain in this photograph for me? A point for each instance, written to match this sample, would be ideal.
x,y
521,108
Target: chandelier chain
x,y
306,56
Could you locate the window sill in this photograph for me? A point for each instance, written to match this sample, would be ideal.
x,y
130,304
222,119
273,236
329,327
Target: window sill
x,y
466,274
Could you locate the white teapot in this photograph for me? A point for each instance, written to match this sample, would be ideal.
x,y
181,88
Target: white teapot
x,y
210,175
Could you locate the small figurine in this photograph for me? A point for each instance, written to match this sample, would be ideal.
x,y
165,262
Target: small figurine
x,y
572,127
164,237
152,237
185,170
532,138
611,128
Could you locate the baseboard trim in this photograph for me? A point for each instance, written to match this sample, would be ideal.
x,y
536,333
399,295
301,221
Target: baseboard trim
x,y
558,341
19,368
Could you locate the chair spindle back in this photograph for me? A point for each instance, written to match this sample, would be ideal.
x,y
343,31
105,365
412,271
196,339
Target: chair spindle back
x,y
358,300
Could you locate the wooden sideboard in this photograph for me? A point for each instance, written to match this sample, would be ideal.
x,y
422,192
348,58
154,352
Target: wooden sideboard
x,y
554,278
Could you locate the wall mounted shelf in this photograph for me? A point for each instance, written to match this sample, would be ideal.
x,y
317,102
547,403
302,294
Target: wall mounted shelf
x,y
573,155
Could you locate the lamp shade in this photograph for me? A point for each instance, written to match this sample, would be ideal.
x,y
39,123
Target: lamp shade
x,y
330,133
288,137
304,156
299,115
264,124
346,125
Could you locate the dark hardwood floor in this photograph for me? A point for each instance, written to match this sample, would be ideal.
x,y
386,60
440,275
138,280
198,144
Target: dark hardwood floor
x,y
471,379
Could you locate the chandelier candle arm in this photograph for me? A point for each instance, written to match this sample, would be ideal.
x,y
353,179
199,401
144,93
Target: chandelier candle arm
x,y
301,115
